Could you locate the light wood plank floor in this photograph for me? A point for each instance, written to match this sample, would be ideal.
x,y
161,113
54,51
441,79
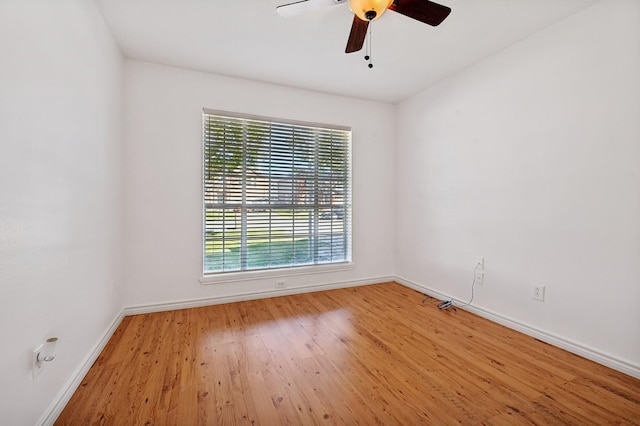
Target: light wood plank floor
x,y
366,355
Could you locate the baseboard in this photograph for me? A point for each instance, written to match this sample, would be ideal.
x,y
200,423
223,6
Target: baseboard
x,y
67,391
50,416
561,342
52,413
239,297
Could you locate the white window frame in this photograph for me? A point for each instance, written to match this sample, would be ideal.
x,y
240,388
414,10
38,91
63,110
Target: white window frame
x,y
210,277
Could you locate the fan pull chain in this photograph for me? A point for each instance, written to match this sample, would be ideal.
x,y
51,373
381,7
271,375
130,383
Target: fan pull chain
x,y
367,56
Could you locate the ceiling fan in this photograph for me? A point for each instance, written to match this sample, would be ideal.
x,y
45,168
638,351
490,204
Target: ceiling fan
x,y
366,11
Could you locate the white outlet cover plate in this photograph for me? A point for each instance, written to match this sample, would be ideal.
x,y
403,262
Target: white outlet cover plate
x,y
479,263
35,368
538,292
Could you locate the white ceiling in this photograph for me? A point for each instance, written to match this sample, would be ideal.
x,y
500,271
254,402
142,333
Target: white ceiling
x,y
248,39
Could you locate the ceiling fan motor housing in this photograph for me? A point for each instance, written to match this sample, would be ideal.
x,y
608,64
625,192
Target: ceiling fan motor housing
x,y
369,10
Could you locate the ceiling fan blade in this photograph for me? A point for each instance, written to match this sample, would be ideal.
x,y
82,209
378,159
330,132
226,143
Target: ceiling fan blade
x,y
422,10
304,6
357,35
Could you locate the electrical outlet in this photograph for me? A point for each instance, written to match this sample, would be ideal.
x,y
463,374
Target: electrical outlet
x,y
36,367
538,292
479,277
478,263
281,284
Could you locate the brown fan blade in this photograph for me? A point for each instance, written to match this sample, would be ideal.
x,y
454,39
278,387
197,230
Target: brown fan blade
x,y
422,10
357,35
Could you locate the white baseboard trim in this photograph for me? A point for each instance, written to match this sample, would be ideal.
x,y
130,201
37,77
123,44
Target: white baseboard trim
x,y
239,297
54,410
561,342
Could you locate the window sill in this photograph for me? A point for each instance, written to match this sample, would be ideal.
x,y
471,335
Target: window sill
x,y
227,277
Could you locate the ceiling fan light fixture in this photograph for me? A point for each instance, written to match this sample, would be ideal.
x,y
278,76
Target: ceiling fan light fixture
x,y
369,10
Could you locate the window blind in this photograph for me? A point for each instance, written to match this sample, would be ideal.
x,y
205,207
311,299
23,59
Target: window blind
x,y
276,194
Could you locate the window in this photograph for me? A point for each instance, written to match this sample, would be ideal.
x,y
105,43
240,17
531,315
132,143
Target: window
x,y
276,194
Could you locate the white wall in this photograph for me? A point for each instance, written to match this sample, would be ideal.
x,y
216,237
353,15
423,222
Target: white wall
x,y
531,158
163,145
60,97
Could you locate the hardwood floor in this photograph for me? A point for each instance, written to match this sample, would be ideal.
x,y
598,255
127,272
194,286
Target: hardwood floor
x,y
365,355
